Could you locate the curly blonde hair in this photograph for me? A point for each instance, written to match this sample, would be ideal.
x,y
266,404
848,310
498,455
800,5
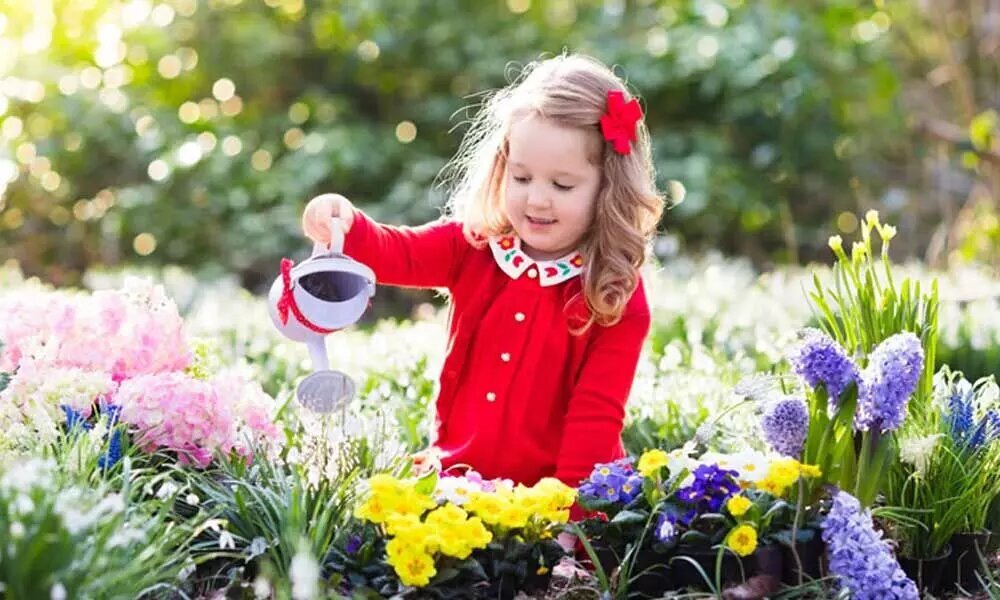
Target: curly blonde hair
x,y
570,90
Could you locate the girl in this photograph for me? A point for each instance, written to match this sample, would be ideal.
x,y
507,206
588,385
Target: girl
x,y
548,227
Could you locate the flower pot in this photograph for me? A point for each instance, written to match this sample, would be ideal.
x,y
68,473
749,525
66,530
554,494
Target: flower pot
x,y
651,575
926,572
812,557
960,572
767,560
507,586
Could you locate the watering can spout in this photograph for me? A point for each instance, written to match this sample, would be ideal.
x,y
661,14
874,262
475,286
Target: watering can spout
x,y
325,293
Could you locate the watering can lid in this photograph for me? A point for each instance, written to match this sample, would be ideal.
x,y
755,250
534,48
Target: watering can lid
x,y
332,258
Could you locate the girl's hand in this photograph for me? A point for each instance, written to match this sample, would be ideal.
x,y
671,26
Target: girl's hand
x,y
316,217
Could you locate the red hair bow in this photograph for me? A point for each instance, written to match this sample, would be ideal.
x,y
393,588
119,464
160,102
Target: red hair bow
x,y
618,124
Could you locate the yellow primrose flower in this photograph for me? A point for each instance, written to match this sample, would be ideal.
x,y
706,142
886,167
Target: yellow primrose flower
x,y
487,506
887,232
738,505
476,533
375,509
514,516
784,471
810,471
742,540
770,486
651,462
397,524
446,516
414,568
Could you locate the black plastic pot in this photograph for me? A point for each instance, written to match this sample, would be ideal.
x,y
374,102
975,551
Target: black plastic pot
x,y
926,572
967,550
767,560
812,557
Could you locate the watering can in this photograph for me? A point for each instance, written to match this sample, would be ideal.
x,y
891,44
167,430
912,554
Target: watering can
x,y
323,294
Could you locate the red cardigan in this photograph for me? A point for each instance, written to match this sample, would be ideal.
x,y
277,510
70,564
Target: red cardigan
x,y
520,396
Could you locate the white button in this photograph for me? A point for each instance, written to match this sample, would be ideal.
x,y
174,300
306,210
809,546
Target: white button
x,y
519,317
505,357
491,397
532,273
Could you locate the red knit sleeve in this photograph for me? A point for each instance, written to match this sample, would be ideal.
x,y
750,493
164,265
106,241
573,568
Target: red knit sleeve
x,y
422,257
596,413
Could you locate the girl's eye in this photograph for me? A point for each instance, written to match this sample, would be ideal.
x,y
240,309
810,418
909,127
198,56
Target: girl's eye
x,y
562,188
521,179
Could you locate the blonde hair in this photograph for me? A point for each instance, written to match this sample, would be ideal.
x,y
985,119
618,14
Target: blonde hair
x,y
570,90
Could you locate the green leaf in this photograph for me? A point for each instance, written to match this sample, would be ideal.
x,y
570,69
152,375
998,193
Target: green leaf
x,y
629,517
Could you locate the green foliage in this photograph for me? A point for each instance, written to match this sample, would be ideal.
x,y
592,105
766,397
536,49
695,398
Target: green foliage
x,y
68,534
764,110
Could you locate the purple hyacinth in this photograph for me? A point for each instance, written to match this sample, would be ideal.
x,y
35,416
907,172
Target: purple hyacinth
x,y
709,490
818,359
785,424
859,557
614,481
893,371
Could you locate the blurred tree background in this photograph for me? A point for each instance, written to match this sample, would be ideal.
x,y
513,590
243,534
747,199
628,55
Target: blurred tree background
x,y
192,132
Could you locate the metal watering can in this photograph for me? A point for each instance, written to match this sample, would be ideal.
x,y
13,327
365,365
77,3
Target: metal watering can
x,y
325,293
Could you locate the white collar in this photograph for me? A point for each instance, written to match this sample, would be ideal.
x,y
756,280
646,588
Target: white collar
x,y
514,262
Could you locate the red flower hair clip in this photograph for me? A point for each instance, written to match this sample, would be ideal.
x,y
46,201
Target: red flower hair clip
x,y
618,124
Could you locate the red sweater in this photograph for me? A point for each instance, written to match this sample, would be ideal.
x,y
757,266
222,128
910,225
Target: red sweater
x,y
521,397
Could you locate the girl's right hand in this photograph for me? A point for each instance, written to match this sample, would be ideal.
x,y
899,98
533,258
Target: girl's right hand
x,y
316,217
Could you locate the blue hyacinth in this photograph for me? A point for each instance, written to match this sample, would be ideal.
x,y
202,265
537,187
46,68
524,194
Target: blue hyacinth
x,y
114,452
819,360
75,419
893,372
969,433
861,560
614,482
785,423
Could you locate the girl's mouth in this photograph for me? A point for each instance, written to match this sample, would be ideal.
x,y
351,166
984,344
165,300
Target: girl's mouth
x,y
538,221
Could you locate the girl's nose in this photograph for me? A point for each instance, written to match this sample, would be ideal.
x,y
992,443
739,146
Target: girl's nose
x,y
537,196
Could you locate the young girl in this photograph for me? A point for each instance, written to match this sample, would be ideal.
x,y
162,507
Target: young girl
x,y
548,227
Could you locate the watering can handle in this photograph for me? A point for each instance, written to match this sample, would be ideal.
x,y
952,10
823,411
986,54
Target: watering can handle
x,y
336,245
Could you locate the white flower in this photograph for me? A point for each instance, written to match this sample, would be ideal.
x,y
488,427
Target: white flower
x,y
17,530
454,489
918,451
304,572
257,547
226,541
187,571
192,499
261,588
58,592
167,490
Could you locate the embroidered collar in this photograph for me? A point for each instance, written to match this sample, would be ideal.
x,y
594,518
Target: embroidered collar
x,y
514,262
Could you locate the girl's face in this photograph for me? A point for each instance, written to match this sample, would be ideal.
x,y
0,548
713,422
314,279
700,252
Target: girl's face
x,y
551,187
